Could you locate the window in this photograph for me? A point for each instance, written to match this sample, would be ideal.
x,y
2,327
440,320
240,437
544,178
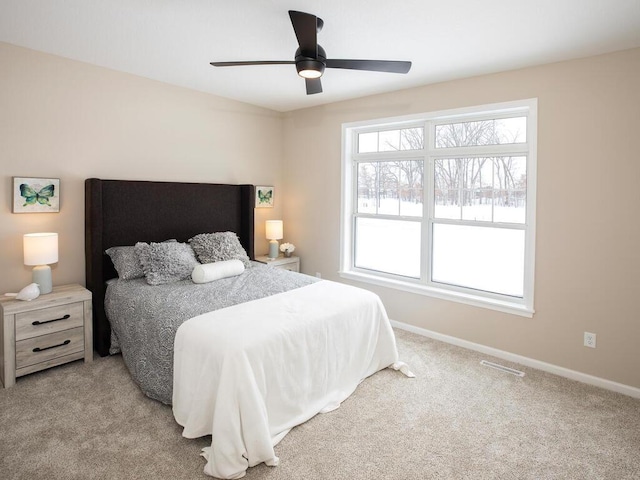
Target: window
x,y
443,204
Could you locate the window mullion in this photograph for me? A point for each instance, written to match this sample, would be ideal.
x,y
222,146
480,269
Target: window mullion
x,y
479,223
429,198
386,156
383,216
517,149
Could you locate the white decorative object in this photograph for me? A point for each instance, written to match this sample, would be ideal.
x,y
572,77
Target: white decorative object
x,y
287,249
41,249
274,230
28,293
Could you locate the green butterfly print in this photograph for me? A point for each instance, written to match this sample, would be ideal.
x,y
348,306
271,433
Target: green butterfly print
x,y
31,196
265,197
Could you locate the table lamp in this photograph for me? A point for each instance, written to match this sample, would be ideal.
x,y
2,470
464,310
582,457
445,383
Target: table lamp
x,y
274,233
41,249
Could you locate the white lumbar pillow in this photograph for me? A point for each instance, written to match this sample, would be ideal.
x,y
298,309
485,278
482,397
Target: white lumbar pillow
x,y
208,272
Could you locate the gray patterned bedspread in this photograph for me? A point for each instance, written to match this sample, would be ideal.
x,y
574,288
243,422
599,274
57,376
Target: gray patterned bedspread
x,y
145,318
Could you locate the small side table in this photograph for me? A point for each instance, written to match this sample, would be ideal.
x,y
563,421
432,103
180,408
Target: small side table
x,y
50,330
286,263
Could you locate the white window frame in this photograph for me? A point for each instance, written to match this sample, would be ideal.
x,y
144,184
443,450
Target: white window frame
x,y
504,303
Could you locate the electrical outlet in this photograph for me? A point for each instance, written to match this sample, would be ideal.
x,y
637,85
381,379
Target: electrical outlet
x,y
318,274
589,339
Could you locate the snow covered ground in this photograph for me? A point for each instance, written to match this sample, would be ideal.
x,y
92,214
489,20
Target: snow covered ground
x,y
483,258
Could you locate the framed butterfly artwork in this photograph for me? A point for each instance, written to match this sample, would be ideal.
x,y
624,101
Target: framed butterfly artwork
x,y
36,195
264,197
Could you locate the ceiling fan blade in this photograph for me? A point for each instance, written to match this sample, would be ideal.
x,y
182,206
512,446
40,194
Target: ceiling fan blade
x,y
391,66
314,85
259,62
305,26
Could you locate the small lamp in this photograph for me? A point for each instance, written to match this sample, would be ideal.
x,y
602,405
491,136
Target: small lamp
x,y
274,233
41,249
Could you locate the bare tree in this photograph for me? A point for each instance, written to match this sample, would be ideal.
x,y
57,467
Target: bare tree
x,y
461,181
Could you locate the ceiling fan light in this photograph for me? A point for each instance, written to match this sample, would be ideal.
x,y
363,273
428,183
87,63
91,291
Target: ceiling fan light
x,y
310,74
310,68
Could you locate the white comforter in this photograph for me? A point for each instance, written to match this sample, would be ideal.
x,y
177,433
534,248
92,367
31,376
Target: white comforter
x,y
249,373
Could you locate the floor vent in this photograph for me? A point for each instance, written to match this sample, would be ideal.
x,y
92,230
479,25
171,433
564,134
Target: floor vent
x,y
502,368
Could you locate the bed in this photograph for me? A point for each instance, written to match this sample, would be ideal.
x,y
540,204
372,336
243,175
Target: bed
x,y
244,358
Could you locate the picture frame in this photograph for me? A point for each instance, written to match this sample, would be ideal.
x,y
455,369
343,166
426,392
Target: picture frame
x,y
35,195
264,196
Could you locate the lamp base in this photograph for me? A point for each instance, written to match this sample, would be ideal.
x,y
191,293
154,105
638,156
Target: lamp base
x,y
273,249
42,276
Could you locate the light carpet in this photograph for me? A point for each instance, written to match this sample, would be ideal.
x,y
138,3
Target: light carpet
x,y
456,420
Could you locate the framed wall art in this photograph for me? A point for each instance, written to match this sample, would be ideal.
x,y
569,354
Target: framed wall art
x,y
36,195
264,197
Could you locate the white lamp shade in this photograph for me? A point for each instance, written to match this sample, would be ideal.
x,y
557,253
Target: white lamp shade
x,y
274,229
40,248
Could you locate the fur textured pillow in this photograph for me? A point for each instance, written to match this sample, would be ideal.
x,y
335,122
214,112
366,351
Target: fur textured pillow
x,y
125,260
219,246
166,262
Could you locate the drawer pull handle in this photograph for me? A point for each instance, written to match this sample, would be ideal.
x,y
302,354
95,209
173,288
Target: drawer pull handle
x,y
38,349
38,322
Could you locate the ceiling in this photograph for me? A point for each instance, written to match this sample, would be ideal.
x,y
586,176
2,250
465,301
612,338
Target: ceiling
x,y
173,41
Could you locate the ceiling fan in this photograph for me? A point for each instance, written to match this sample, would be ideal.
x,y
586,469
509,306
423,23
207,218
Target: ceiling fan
x,y
311,59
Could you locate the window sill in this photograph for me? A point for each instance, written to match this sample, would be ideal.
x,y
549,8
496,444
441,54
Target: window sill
x,y
459,297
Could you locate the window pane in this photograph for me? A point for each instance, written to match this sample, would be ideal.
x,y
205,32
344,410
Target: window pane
x,y
447,188
368,142
390,246
411,181
389,203
412,139
367,187
391,188
389,141
447,204
510,184
484,132
486,189
482,258
477,183
511,130
484,172
510,206
477,205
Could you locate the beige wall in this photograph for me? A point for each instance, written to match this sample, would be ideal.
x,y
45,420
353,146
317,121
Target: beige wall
x,y
588,221
70,120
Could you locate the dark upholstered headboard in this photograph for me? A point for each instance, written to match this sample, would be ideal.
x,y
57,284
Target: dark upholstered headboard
x,y
123,212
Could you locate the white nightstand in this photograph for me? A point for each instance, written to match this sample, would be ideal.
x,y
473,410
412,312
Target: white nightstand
x,y
287,263
53,329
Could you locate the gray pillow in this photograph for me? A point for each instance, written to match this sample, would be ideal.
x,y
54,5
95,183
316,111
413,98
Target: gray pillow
x,y
220,246
125,260
166,262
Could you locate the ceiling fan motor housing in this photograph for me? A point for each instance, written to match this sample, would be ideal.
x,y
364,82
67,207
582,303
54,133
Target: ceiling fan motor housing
x,y
306,63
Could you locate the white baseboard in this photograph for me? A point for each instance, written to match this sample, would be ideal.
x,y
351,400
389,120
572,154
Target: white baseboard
x,y
529,362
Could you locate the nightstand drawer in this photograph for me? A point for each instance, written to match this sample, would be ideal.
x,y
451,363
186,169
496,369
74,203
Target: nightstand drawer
x,y
46,347
49,320
291,263
289,266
